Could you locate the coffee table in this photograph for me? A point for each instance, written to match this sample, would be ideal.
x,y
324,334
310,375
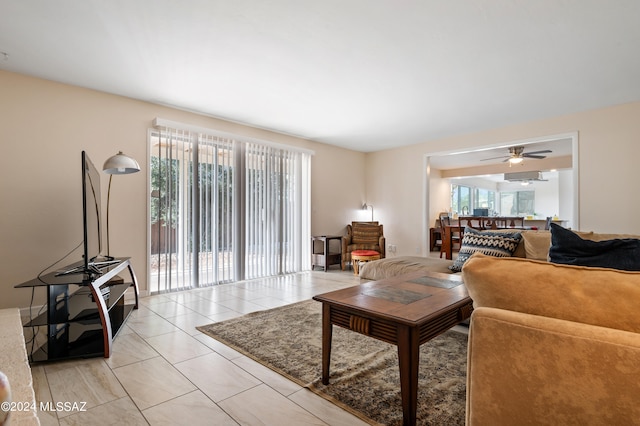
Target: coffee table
x,y
406,311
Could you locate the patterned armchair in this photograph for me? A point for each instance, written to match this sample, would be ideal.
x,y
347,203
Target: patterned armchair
x,y
362,236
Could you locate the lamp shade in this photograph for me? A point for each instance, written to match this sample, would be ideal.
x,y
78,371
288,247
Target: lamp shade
x,y
120,164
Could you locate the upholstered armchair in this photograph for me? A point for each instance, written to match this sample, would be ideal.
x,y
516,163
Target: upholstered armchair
x,y
362,236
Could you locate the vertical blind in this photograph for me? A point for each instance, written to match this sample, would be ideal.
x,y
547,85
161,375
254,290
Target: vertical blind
x,y
170,203
224,209
275,211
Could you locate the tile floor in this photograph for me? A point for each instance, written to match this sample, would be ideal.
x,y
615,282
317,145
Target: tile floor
x,y
165,372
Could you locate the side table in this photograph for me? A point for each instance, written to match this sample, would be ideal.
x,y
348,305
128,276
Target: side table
x,y
326,257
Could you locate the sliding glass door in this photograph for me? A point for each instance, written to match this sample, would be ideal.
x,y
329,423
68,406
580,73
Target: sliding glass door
x,y
225,210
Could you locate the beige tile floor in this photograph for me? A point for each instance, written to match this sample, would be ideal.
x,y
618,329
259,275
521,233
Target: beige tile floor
x,y
165,372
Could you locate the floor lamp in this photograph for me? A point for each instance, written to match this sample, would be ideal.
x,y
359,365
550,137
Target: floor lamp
x,y
119,164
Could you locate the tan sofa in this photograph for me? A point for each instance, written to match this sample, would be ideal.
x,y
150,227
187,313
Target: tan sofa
x,y
552,344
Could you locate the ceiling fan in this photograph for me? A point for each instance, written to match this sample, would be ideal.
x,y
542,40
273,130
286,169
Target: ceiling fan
x,y
517,154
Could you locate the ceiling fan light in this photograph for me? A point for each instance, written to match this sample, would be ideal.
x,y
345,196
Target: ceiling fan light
x,y
515,160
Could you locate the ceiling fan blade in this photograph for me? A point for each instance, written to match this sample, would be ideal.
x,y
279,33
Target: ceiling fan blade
x,y
537,157
495,158
546,151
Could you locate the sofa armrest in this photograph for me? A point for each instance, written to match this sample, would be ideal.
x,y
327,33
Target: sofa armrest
x,y
523,367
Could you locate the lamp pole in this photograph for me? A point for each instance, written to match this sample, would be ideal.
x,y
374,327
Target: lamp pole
x,y
119,164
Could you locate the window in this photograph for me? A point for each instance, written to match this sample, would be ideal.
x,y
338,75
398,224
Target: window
x,y
460,199
225,210
484,199
517,203
464,199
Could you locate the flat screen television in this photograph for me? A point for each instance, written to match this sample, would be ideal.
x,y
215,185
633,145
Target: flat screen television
x,y
91,213
91,219
481,212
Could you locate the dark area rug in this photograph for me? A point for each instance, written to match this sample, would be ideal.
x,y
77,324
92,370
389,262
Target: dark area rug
x,y
364,371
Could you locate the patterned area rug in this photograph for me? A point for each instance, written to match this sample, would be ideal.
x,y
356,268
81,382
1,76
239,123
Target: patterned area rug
x,y
364,371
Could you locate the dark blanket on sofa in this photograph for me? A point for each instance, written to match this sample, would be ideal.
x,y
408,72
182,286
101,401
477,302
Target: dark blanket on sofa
x,y
570,249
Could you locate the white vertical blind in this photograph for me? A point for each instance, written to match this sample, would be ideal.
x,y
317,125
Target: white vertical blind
x,y
215,213
225,210
278,228
170,253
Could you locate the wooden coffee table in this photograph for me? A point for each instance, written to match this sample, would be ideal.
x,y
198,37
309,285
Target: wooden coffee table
x,y
406,311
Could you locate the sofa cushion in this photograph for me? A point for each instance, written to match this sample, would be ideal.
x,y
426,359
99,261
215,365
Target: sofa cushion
x,y
568,248
591,295
536,244
498,244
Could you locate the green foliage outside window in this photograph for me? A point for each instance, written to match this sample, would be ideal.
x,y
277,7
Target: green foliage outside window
x,y
164,191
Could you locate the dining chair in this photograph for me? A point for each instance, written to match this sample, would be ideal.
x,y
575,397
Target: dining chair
x,y
456,234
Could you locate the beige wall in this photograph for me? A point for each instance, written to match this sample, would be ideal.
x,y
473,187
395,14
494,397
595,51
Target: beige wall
x,y
44,127
609,148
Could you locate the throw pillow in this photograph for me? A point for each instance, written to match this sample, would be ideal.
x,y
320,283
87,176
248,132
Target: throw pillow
x,y
497,244
569,249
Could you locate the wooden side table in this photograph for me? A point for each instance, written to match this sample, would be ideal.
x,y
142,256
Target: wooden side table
x,y
358,256
326,257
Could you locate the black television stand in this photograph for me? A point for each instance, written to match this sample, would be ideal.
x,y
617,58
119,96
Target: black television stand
x,y
107,262
94,268
84,311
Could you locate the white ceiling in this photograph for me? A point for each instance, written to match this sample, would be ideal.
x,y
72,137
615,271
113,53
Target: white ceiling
x,y
485,156
362,74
